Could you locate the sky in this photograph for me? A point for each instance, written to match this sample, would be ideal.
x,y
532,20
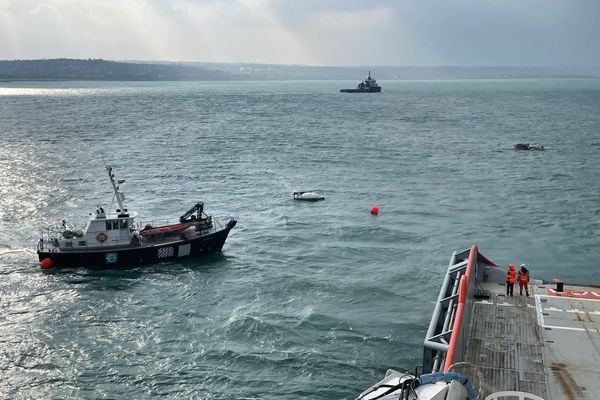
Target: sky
x,y
313,32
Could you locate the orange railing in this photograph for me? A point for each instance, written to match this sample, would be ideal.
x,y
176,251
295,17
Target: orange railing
x,y
449,327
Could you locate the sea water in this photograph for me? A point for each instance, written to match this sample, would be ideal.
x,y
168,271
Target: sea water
x,y
307,300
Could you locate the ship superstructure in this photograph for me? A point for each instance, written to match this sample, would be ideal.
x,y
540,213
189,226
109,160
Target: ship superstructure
x,y
368,85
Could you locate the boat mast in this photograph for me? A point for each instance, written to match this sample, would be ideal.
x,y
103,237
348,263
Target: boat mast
x,y
118,194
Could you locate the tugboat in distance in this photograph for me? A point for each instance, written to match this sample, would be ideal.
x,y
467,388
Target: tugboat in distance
x,y
369,85
110,239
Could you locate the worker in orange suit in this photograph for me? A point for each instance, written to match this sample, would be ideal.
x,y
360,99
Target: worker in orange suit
x,y
523,278
510,279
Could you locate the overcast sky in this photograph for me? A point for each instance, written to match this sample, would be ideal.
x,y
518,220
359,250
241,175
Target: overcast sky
x,y
317,32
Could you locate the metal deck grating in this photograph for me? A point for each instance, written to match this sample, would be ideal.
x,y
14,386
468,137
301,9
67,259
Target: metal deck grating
x,y
505,343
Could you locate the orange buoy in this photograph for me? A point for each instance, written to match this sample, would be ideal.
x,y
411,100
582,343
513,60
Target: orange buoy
x,y
46,263
375,210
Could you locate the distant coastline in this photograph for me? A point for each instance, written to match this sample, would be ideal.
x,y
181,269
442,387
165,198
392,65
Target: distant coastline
x,y
64,69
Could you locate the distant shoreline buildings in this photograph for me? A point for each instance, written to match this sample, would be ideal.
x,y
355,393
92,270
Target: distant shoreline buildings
x,y
62,69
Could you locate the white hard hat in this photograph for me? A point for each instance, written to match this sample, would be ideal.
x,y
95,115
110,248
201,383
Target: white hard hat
x,y
522,265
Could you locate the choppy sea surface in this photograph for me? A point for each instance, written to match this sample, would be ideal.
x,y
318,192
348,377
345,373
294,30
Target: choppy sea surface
x,y
306,301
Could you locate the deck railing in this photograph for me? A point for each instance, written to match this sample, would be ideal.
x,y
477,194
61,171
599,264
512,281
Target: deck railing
x,y
450,322
47,243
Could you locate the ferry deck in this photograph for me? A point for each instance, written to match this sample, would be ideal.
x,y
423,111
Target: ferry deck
x,y
543,346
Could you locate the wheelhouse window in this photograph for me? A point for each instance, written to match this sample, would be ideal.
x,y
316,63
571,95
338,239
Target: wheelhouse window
x,y
123,224
112,224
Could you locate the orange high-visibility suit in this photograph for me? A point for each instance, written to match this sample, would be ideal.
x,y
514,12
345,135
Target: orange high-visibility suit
x,y
523,278
510,279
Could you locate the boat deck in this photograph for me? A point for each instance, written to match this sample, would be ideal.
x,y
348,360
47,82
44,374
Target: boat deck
x,y
544,344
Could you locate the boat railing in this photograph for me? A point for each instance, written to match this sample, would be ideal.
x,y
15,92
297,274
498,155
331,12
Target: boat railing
x,y
50,243
217,223
450,322
47,236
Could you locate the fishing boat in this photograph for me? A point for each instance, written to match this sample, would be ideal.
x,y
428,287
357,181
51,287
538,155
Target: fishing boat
x,y
368,85
115,238
482,344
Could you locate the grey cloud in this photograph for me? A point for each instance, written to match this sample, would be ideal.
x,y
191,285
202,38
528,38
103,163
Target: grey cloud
x,y
326,32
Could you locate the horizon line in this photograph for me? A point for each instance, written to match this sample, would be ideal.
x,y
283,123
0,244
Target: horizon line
x,y
153,61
